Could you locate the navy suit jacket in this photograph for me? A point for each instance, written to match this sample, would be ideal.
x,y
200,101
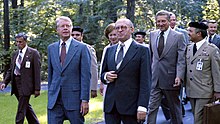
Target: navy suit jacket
x,y
72,79
216,40
132,87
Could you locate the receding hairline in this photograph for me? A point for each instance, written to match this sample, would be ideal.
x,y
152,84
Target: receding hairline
x,y
125,20
162,13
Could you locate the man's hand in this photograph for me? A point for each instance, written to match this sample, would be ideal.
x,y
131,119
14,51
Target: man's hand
x,y
84,108
93,93
177,82
101,88
111,76
141,116
217,96
36,93
2,86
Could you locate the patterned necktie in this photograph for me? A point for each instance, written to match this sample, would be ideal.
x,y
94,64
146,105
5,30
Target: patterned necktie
x,y
18,64
120,54
63,53
194,49
160,44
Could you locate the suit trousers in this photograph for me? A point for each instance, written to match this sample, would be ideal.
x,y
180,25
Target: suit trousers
x,y
173,100
197,108
24,108
114,117
58,114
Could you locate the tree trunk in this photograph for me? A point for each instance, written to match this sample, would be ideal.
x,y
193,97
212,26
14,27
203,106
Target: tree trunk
x,y
6,33
130,9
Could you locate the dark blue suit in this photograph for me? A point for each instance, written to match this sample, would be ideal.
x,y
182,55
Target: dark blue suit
x,y
132,86
69,84
216,40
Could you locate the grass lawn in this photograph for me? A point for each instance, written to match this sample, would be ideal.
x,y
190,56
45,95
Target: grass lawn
x,y
9,107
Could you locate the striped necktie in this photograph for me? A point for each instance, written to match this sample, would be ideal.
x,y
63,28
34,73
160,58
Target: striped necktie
x,y
120,55
18,64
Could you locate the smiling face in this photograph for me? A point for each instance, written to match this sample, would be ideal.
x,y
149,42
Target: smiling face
x,y
124,29
212,28
113,38
139,38
162,22
64,29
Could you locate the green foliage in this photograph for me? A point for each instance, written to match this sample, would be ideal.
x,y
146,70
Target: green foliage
x,y
211,10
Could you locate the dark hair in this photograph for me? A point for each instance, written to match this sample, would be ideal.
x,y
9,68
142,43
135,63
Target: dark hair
x,y
22,34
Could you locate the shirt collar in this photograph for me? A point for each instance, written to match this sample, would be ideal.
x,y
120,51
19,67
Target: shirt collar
x,y
127,43
67,42
24,49
199,44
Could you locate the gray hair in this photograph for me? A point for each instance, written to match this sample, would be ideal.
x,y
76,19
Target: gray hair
x,y
163,12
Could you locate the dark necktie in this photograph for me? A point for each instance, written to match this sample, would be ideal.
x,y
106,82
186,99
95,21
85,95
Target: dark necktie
x,y
194,49
120,54
160,44
18,64
63,53
210,39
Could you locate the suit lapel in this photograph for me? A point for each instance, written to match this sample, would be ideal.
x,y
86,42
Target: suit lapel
x,y
71,52
155,37
199,51
26,57
169,42
132,50
56,55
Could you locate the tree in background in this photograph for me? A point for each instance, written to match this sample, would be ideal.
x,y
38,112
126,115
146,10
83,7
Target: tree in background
x,y
211,10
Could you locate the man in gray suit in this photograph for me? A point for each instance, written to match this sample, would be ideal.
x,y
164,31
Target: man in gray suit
x,y
212,33
68,76
168,68
203,63
77,33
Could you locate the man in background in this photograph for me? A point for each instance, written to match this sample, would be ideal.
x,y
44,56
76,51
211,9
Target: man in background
x,y
212,33
24,75
77,33
140,37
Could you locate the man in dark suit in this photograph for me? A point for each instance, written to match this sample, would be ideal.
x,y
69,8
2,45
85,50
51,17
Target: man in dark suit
x,y
24,75
68,76
212,35
77,33
168,68
126,71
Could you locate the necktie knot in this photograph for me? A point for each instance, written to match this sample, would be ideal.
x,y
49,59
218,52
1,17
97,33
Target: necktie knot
x,y
63,44
161,33
210,39
122,44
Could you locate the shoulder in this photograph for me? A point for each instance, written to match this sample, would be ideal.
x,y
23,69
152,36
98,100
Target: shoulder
x,y
32,49
53,44
212,46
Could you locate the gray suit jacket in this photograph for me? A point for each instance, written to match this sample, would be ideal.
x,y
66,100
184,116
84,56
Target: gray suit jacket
x,y
185,34
94,68
171,63
203,83
72,79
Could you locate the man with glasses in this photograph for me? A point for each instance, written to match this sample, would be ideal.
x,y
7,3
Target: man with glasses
x,y
24,75
127,73
77,33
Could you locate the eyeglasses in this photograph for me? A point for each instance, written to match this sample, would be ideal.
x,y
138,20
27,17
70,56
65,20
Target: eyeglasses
x,y
121,27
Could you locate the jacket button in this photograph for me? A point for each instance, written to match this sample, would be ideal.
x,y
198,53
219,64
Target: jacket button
x,y
62,75
190,70
191,62
191,79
